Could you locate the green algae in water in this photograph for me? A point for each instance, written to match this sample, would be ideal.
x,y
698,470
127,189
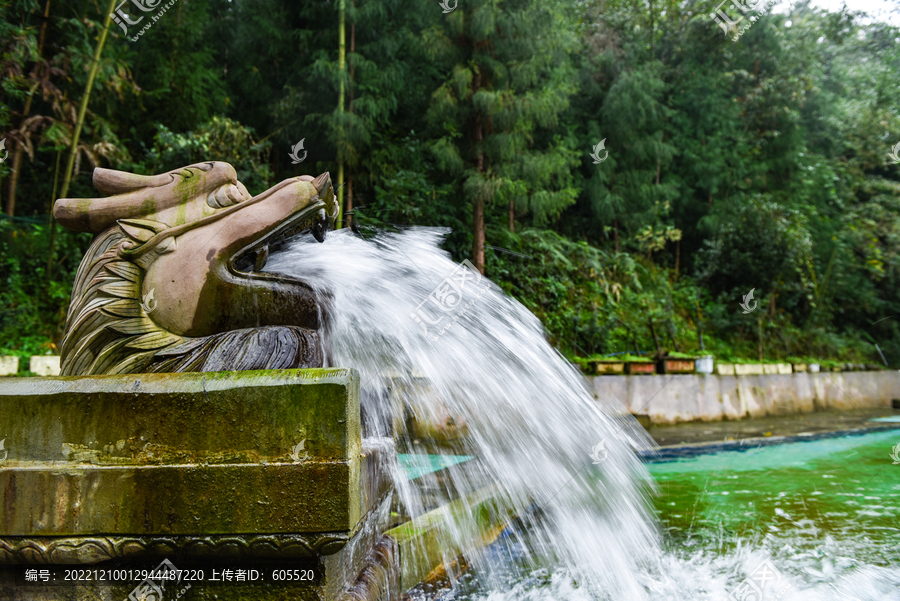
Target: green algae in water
x,y
845,487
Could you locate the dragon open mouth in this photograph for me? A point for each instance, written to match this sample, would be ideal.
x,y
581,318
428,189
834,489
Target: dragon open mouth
x,y
315,219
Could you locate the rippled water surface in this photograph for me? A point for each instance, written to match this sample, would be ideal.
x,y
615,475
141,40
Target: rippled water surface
x,y
817,520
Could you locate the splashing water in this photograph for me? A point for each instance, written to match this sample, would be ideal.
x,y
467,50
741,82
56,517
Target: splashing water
x,y
402,309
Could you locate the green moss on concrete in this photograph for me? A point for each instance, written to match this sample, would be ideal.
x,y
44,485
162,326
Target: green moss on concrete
x,y
176,418
231,452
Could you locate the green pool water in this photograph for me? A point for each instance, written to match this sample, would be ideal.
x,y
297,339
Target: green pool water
x,y
416,466
823,514
844,487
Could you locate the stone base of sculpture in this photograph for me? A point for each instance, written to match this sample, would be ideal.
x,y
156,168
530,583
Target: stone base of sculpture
x,y
228,486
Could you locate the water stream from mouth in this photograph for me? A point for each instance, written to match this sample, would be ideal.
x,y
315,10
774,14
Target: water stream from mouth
x,y
402,310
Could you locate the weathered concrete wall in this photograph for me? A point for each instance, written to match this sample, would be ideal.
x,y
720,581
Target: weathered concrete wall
x,y
671,399
228,470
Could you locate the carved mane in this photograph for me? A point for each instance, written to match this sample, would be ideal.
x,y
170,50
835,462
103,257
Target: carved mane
x,y
107,329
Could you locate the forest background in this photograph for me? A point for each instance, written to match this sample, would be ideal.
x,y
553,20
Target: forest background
x,y
729,161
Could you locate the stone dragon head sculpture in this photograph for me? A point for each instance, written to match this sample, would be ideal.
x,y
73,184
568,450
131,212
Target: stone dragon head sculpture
x,y
172,280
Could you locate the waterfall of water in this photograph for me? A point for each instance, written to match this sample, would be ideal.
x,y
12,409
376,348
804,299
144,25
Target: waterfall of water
x,y
401,309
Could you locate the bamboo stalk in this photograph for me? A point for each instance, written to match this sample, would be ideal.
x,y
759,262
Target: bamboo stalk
x,y
82,109
349,212
53,221
17,158
342,42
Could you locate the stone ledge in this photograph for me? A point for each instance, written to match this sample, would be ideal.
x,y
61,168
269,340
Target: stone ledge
x,y
184,454
151,419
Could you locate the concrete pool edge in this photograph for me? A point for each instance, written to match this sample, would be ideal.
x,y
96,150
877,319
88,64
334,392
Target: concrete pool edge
x,y
681,450
674,399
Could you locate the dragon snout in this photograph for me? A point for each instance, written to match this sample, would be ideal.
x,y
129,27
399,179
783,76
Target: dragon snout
x,y
320,227
329,213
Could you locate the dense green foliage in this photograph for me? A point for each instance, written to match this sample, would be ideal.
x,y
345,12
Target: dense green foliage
x,y
760,163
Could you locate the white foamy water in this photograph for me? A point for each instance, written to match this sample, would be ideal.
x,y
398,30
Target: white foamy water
x,y
830,572
530,420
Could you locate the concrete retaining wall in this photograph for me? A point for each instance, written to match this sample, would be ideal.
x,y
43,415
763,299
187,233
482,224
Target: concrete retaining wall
x,y
672,399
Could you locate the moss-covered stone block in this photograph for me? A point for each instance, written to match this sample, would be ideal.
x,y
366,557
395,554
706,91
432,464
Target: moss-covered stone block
x,y
182,454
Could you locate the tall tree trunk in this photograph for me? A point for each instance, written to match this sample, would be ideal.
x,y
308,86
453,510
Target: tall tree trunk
x,y
478,249
17,157
478,216
173,62
349,220
44,29
659,352
677,257
52,220
14,178
512,215
658,160
616,233
699,324
759,337
342,49
349,213
670,330
95,64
